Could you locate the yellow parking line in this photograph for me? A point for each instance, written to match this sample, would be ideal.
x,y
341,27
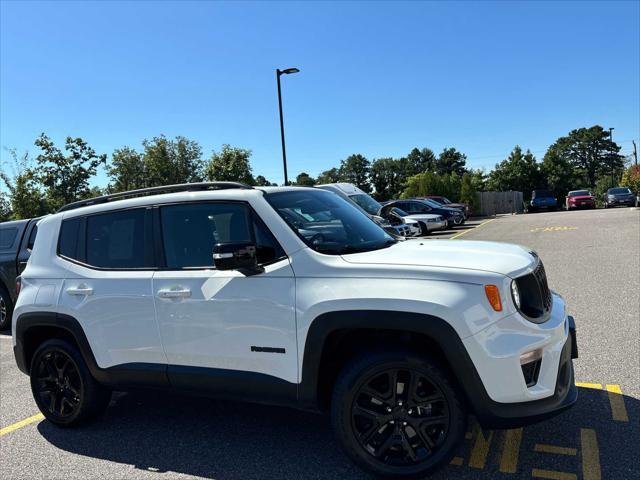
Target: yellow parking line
x,y
480,450
511,451
21,423
618,409
457,461
539,447
464,232
596,386
590,454
553,475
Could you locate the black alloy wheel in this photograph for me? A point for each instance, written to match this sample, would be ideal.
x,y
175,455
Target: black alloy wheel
x,y
62,385
5,309
398,413
58,384
400,417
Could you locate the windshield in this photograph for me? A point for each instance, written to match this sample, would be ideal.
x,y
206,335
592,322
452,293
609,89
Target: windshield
x,y
580,193
431,203
542,194
367,203
615,191
328,223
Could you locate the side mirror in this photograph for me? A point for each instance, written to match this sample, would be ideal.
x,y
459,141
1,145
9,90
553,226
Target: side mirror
x,y
235,256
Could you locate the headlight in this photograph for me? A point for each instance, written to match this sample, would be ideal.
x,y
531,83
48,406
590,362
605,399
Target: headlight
x,y
515,293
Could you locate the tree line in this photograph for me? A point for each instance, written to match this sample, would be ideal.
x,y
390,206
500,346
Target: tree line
x,y
584,158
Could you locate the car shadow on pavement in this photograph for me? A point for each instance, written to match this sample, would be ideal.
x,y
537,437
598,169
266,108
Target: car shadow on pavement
x,y
224,440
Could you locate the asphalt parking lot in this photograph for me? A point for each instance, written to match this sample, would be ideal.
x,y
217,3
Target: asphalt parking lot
x,y
591,257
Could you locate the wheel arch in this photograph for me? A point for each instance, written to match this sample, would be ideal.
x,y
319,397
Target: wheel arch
x,y
378,329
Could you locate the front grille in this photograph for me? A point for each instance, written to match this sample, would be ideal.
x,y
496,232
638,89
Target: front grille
x,y
541,278
535,296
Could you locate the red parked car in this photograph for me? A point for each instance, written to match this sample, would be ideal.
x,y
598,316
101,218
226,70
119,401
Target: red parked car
x,y
580,199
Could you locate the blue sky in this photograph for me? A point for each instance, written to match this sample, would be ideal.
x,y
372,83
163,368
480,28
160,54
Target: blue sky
x,y
376,78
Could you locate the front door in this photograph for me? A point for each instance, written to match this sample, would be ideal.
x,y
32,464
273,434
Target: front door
x,y
224,331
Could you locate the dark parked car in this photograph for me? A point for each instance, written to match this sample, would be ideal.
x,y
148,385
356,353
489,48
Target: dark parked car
x,y
453,216
16,242
580,199
619,196
542,200
445,202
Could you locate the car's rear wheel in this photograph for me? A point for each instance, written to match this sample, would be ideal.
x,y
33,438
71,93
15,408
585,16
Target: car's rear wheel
x,y
397,414
62,385
6,308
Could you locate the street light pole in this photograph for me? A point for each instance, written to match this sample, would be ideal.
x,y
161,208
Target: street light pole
x,y
611,153
279,73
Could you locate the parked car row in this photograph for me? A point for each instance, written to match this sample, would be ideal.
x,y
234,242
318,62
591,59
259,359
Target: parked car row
x,y
408,218
575,199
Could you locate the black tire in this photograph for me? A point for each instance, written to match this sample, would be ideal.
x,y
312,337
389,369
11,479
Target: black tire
x,y
408,434
62,386
424,231
6,309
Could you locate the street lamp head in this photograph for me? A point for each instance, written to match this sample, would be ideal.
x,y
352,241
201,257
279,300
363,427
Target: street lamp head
x,y
288,71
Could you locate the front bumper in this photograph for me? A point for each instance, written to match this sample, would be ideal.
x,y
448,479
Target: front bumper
x,y
434,226
504,400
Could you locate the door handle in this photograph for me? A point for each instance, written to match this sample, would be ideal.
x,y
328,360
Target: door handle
x,y
174,293
79,290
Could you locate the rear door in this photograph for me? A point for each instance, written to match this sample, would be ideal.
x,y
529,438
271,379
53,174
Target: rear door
x,y
224,331
109,261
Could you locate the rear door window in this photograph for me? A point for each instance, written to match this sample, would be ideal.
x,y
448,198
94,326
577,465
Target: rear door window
x,y
7,237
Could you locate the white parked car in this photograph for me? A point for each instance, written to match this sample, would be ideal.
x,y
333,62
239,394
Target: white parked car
x,y
428,222
291,296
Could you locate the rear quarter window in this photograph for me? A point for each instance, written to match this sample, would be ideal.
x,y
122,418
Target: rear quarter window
x,y
7,237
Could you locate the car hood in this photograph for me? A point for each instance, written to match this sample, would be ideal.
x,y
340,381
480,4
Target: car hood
x,y
502,258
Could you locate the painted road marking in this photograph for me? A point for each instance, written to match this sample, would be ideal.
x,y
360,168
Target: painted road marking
x,y
457,461
590,454
464,232
511,450
596,386
552,229
541,447
618,409
21,423
480,450
553,475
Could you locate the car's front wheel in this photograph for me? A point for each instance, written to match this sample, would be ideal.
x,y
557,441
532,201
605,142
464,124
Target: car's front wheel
x,y
397,414
62,385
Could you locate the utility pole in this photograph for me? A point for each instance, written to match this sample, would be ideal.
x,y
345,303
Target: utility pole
x,y
611,154
279,73
635,152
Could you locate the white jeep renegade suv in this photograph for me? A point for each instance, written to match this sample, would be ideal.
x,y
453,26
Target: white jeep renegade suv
x,y
291,296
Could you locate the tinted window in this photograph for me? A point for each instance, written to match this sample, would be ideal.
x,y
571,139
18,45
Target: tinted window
x,y
7,237
328,223
618,191
68,242
117,240
190,231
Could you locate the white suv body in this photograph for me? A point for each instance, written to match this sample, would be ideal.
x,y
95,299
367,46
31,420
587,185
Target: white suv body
x,y
267,335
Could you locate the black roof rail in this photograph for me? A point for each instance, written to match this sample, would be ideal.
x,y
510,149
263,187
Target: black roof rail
x,y
181,187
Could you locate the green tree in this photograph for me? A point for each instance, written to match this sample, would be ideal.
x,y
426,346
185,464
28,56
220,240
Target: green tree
x,y
559,173
169,162
591,153
468,191
66,176
5,207
355,169
450,161
263,182
478,179
304,180
127,170
328,176
520,172
25,197
230,164
387,178
418,161
631,178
